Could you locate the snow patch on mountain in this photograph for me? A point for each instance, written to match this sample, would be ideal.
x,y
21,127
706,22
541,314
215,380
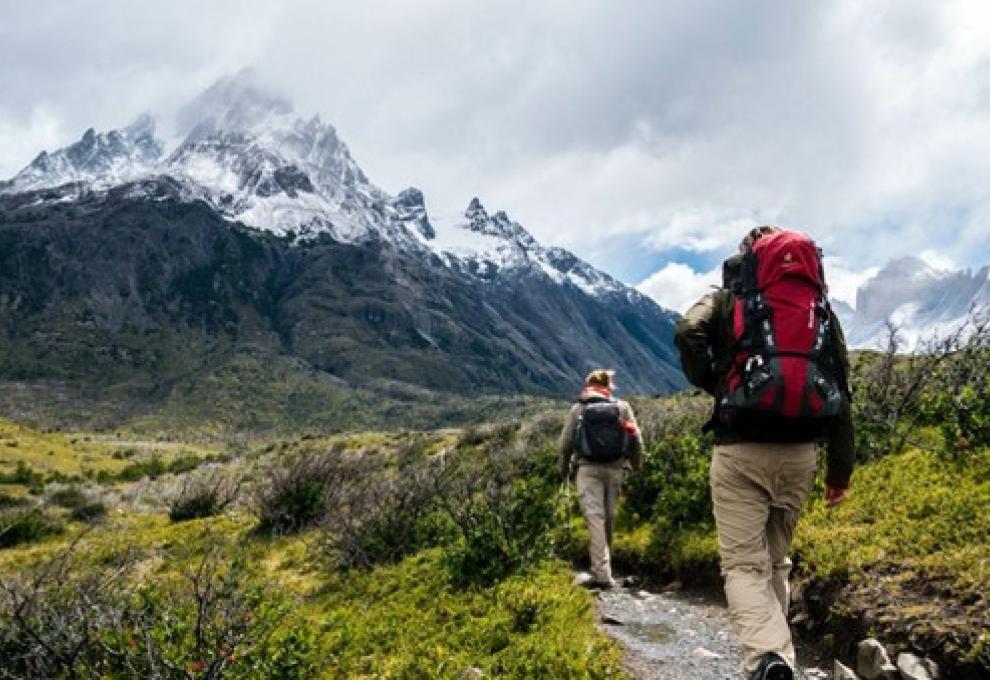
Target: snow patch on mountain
x,y
494,243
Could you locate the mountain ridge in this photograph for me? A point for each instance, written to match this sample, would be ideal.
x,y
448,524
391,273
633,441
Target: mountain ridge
x,y
921,301
258,235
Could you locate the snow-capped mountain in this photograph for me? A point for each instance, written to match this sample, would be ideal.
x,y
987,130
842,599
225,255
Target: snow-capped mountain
x,y
126,263
98,160
248,155
922,301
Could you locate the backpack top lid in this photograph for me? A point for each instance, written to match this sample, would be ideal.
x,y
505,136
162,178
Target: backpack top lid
x,y
787,254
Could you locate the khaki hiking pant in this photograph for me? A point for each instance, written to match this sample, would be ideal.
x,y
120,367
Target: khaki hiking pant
x,y
598,488
758,490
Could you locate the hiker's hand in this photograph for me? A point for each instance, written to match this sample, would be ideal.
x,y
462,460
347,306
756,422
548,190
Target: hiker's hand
x,y
834,495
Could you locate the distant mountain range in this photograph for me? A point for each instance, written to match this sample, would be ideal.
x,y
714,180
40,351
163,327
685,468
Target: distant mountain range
x,y
149,273
921,301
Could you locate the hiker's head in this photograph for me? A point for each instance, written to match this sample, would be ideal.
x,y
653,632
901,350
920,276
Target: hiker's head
x,y
601,378
754,235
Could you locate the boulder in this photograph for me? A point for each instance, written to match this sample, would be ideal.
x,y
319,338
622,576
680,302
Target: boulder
x,y
840,672
913,667
873,663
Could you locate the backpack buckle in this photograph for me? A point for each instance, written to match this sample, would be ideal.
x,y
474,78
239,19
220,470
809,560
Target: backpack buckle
x,y
756,360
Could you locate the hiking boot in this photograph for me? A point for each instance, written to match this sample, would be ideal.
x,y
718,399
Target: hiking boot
x,y
772,667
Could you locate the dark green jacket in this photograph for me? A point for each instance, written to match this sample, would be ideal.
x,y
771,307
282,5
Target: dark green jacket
x,y
704,334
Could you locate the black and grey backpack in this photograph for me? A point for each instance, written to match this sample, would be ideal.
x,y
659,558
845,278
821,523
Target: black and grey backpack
x,y
600,435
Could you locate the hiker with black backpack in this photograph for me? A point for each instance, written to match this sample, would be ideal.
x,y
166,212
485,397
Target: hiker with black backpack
x,y
600,443
769,349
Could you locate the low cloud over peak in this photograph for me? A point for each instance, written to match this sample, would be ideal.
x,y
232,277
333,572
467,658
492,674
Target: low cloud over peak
x,y
608,128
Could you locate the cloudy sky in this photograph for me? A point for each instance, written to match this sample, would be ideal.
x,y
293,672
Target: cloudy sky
x,y
645,136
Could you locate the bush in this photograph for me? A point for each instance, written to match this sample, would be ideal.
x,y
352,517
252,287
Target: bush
x,y
23,474
203,497
8,501
152,468
958,401
385,512
25,526
939,383
73,621
298,493
185,463
504,510
70,497
89,511
673,482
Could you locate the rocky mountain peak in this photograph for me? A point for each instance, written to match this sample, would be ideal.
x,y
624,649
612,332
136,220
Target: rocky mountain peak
x,y
916,297
233,103
410,210
498,225
101,158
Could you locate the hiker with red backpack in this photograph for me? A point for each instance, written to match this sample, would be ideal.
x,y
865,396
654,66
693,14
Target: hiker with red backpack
x,y
602,441
769,349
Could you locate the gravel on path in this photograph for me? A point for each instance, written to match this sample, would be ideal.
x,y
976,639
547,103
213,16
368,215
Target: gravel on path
x,y
674,636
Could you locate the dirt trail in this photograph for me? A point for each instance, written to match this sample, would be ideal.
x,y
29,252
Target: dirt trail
x,y
674,636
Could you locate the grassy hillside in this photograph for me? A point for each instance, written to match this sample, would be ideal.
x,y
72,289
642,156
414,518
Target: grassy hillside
x,y
435,553
338,595
251,395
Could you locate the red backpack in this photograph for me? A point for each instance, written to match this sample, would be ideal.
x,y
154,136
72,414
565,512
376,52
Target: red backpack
x,y
782,382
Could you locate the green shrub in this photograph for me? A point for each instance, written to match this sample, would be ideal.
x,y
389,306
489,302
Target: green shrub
x,y
152,468
23,474
8,501
217,621
185,463
204,497
70,497
25,526
298,493
505,514
89,511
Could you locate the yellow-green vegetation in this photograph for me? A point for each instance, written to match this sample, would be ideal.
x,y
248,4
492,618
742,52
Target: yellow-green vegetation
x,y
74,455
48,452
395,621
911,548
409,620
916,510
471,586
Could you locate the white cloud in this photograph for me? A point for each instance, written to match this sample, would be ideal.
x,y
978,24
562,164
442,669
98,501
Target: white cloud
x,y
677,286
843,281
26,139
673,125
937,260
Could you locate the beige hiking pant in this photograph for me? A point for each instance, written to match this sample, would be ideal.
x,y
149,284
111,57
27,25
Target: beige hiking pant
x,y
598,488
758,490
